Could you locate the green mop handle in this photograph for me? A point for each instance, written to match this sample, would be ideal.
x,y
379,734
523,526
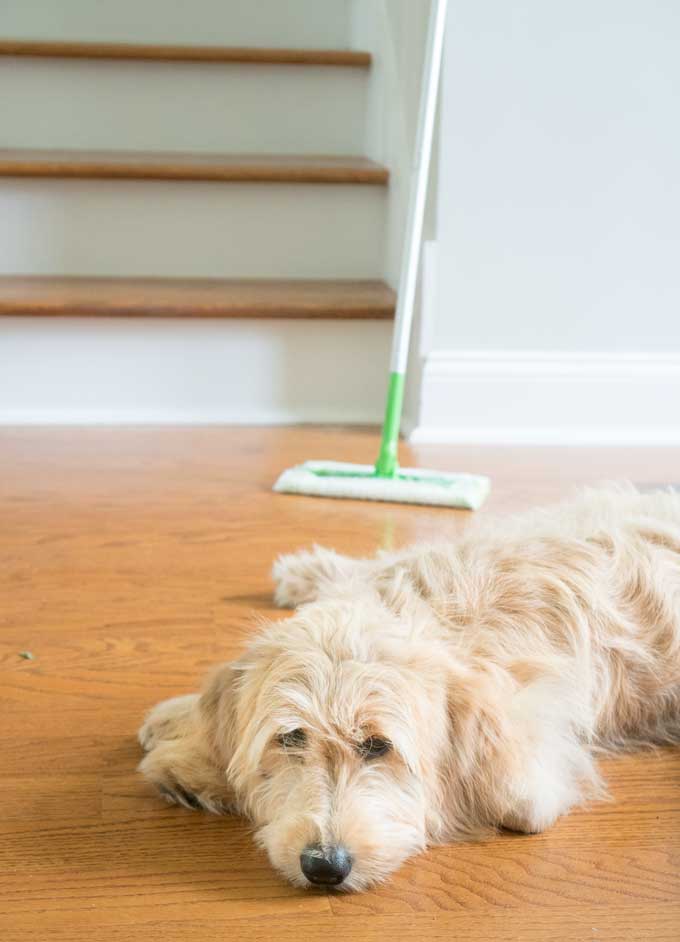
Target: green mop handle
x,y
386,465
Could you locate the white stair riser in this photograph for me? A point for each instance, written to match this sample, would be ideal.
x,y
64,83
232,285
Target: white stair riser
x,y
323,23
105,227
74,370
192,107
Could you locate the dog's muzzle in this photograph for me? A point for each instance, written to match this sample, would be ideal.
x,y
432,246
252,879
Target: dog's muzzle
x,y
325,866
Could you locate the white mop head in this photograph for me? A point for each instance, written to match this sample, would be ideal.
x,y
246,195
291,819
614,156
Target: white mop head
x,y
360,482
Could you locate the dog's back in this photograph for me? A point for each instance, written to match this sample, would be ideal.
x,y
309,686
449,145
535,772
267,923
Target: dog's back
x,y
598,577
588,590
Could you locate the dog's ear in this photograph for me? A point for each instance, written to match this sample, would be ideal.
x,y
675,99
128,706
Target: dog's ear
x,y
480,758
475,718
217,708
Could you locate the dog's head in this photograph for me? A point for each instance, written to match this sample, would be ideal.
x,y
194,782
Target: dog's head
x,y
333,728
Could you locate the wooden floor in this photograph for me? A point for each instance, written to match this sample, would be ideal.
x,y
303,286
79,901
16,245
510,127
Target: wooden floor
x,y
131,561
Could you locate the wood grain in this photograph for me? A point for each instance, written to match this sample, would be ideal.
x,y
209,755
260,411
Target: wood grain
x,y
219,168
131,561
346,58
52,296
581,924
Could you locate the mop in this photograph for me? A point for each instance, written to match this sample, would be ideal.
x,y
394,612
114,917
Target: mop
x,y
386,480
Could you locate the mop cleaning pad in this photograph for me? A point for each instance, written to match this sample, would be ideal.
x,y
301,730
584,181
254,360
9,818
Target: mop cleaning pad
x,y
407,485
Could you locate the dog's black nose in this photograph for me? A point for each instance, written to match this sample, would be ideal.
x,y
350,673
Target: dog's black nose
x,y
325,866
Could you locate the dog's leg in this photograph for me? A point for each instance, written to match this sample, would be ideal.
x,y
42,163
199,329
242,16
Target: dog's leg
x,y
180,760
551,768
310,574
549,785
523,754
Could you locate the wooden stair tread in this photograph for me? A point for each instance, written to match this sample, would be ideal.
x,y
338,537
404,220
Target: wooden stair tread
x,y
183,53
75,296
141,165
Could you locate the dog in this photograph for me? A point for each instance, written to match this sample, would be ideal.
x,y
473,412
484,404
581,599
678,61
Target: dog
x,y
438,693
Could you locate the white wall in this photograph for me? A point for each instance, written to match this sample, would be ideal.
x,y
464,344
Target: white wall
x,y
559,205
558,209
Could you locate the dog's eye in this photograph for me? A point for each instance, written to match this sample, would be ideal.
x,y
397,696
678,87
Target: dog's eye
x,y
373,747
295,739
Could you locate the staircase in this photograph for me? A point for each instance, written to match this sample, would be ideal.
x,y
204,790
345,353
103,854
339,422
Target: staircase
x,y
174,213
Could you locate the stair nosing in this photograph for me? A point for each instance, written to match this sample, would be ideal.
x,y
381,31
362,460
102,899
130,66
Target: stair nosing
x,y
169,52
225,168
196,298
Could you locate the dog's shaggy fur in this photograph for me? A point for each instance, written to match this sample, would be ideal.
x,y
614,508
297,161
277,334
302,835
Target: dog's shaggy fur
x,y
488,670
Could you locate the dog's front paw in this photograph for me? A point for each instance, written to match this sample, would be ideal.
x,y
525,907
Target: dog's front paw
x,y
167,720
183,778
176,794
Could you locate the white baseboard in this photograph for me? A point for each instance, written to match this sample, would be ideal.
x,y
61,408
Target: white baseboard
x,y
549,398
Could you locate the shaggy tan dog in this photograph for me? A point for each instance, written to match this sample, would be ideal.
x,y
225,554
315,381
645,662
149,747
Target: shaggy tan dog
x,y
440,692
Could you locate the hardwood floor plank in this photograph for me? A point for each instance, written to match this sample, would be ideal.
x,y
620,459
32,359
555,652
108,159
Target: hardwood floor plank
x,y
69,796
630,923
